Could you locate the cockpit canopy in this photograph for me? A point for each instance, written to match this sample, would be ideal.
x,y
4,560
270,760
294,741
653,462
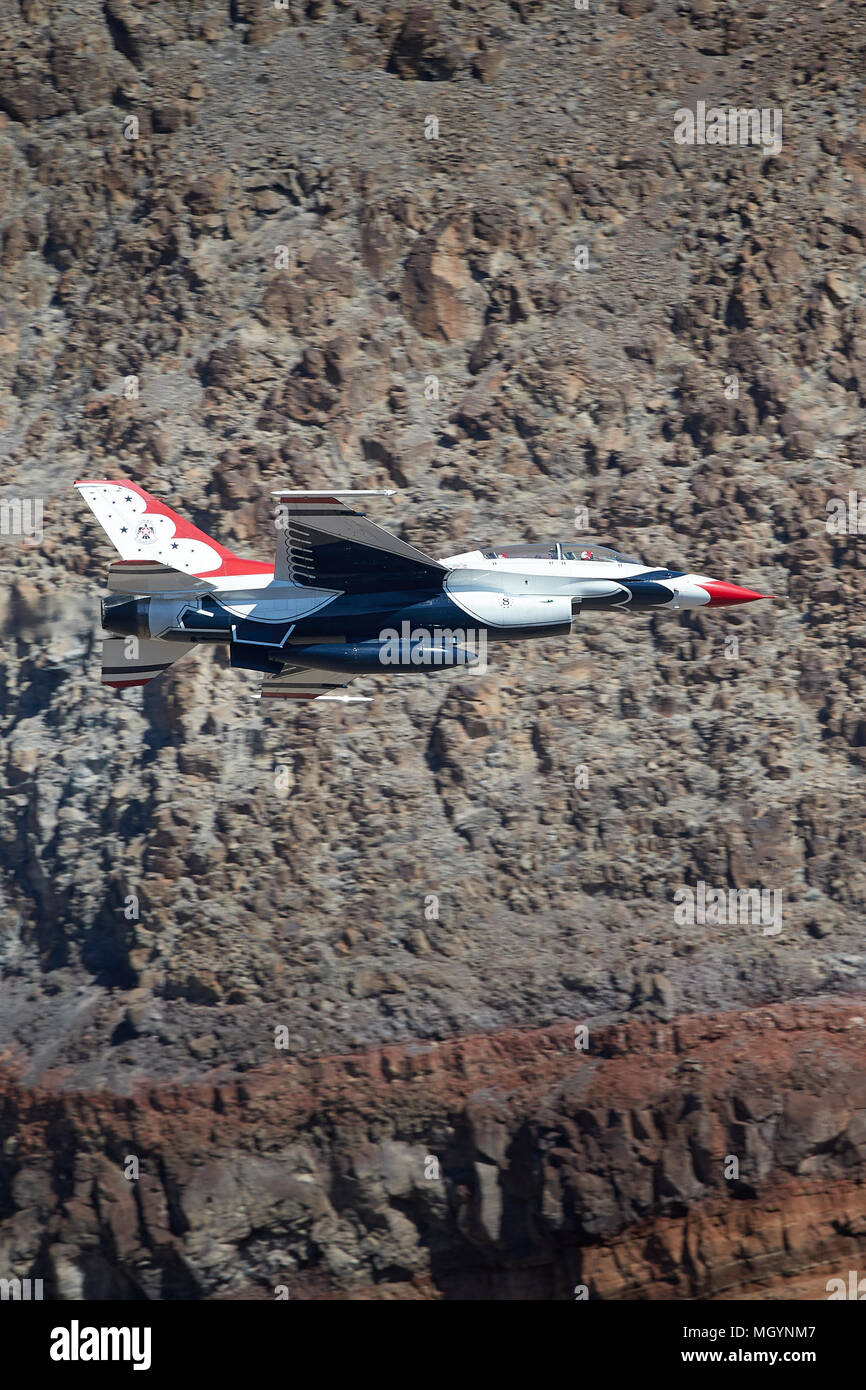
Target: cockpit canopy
x,y
539,550
572,550
557,550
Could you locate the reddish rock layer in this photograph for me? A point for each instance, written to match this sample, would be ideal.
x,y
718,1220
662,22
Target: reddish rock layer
x,y
717,1156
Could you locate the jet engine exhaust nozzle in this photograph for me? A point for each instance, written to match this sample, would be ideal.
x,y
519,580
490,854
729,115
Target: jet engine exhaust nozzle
x,y
126,617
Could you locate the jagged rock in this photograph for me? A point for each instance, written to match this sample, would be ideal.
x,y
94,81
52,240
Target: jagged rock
x,y
421,52
438,294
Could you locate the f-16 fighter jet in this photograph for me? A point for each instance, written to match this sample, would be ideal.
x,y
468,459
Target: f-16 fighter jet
x,y
345,596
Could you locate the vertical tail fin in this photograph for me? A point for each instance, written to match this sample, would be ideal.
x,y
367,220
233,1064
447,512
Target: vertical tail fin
x,y
143,528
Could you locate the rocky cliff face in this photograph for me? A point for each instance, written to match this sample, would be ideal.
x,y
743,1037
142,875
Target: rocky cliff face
x,y
719,1156
242,246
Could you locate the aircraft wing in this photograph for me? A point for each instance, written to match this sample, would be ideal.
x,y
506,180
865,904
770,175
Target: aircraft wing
x,y
325,542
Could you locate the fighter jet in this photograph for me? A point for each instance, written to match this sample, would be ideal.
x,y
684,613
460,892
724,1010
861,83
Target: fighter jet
x,y
345,597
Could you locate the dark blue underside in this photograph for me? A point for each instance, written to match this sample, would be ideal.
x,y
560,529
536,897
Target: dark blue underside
x,y
362,617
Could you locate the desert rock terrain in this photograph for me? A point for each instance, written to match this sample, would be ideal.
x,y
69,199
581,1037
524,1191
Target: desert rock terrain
x,y
244,246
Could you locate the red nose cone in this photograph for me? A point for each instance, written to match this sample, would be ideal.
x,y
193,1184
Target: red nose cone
x,y
722,594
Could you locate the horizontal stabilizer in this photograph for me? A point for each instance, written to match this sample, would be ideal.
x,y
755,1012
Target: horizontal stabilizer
x,y
299,683
150,577
136,660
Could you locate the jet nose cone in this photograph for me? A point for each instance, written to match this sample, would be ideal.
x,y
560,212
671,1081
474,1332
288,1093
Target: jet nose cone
x,y
722,594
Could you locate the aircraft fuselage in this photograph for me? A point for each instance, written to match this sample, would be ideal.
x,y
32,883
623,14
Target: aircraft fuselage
x,y
267,622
